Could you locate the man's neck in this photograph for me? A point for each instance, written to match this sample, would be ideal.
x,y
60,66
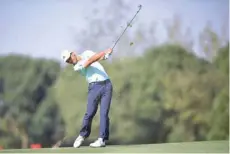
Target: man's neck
x,y
78,59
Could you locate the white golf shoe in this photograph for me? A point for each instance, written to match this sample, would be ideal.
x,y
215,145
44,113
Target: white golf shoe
x,y
98,143
78,142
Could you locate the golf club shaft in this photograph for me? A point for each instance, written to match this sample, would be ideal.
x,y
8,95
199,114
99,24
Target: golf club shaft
x,y
59,142
126,27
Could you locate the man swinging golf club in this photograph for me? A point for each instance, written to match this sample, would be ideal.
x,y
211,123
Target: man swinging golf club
x,y
100,89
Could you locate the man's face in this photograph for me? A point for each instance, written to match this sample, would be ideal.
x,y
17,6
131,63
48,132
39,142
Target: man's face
x,y
72,59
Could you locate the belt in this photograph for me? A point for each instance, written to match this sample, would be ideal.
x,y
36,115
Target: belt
x,y
100,82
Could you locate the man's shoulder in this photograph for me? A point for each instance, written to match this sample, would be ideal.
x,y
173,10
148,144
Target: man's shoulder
x,y
87,53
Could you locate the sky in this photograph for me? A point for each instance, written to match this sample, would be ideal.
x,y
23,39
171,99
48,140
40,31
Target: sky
x,y
42,28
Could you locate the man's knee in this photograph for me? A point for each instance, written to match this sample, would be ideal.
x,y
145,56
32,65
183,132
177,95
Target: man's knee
x,y
89,116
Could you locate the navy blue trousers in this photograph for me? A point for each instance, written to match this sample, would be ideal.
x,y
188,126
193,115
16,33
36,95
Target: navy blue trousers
x,y
98,93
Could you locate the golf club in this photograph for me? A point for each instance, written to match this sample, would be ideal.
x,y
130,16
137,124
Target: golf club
x,y
128,25
58,143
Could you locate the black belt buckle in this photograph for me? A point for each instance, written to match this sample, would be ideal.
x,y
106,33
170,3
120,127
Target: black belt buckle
x,y
106,81
100,82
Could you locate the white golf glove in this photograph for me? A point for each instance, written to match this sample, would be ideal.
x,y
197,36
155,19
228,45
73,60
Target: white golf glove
x,y
107,56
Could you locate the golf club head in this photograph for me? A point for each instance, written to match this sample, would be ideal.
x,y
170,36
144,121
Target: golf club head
x,y
139,6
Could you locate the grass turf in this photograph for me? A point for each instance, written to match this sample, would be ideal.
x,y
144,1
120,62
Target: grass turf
x,y
184,147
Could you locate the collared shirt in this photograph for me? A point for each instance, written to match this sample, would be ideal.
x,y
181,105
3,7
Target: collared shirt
x,y
93,73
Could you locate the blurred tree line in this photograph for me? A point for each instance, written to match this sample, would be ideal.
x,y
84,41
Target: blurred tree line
x,y
167,95
163,93
27,114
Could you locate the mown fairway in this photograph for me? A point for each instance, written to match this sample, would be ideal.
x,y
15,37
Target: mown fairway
x,y
189,147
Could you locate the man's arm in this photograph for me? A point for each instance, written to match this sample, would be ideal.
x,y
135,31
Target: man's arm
x,y
96,57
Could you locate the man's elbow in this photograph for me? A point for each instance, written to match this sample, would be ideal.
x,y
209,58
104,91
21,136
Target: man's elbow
x,y
88,63
95,58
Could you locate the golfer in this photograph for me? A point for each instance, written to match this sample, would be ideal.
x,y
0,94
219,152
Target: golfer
x,y
100,89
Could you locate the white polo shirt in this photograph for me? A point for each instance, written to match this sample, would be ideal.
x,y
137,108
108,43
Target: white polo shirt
x,y
93,73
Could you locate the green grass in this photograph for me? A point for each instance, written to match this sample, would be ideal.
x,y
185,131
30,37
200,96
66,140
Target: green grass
x,y
185,147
